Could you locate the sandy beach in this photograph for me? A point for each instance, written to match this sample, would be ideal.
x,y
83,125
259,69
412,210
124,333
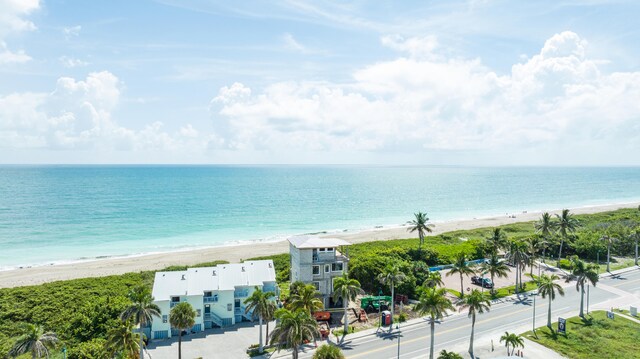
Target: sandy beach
x,y
111,266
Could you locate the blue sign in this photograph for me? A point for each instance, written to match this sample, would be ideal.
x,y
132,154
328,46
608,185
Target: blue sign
x,y
562,325
609,315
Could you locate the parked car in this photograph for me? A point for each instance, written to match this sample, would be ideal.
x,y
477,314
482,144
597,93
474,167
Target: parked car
x,y
483,282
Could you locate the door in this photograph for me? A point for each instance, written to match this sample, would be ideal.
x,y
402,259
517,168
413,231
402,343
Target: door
x,y
207,309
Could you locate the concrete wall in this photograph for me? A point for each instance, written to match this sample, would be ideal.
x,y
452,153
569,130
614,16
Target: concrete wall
x,y
157,324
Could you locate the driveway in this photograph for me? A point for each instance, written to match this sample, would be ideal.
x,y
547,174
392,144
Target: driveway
x,y
214,343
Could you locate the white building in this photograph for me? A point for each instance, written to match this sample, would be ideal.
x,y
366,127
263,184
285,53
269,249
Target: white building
x,y
217,294
317,261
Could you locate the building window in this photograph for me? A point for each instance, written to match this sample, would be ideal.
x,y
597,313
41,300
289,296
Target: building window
x,y
175,299
229,307
336,267
329,249
316,284
316,270
321,249
207,294
327,268
165,318
198,312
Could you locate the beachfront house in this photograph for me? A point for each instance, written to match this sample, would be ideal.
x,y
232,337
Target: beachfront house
x,y
317,261
217,294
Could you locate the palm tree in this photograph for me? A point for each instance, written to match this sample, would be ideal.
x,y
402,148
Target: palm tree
x,y
497,240
496,268
477,303
547,287
461,267
262,305
583,273
434,279
565,225
513,340
392,275
533,245
434,303
307,298
420,225
609,241
33,339
346,289
544,227
518,257
328,352
293,328
123,340
182,317
141,311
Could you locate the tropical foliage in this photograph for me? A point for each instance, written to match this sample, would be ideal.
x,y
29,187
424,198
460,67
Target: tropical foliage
x,y
122,341
548,288
261,305
419,224
512,340
463,268
475,303
182,317
433,303
33,340
328,352
346,289
293,329
583,273
392,275
141,310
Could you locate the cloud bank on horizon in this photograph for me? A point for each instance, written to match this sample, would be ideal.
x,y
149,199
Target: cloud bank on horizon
x,y
318,82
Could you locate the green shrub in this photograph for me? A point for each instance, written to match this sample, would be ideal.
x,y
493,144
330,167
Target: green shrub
x,y
449,355
328,351
565,264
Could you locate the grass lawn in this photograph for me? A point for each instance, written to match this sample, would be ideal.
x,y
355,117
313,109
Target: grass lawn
x,y
597,337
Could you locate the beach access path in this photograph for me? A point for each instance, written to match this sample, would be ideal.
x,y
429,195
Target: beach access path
x,y
156,261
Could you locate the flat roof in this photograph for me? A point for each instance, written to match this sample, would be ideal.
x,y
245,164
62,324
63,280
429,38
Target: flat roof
x,y
303,242
195,281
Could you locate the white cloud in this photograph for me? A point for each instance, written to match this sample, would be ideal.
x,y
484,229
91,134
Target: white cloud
x,y
71,31
12,19
9,57
292,44
555,99
414,46
71,62
78,114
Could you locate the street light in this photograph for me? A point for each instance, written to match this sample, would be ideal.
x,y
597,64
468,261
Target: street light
x,y
64,352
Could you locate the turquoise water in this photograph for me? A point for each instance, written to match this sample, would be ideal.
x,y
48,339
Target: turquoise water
x,y
62,213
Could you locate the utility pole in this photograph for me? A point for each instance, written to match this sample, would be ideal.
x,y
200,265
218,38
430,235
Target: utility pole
x,y
399,335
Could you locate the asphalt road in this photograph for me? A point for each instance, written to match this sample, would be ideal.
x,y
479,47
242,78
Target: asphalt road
x,y
515,315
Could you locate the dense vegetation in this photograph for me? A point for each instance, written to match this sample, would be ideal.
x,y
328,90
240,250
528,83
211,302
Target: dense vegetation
x,y
595,337
81,311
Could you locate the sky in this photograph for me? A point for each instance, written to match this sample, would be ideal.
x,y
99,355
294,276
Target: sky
x,y
468,82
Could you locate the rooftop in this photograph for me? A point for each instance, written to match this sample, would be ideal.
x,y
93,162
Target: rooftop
x,y
305,242
195,281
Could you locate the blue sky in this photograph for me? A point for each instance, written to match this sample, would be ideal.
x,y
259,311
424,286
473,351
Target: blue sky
x,y
455,82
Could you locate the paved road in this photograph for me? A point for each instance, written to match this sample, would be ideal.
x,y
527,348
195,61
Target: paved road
x,y
514,316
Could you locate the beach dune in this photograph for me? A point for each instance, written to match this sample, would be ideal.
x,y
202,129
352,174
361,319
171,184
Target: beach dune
x,y
157,261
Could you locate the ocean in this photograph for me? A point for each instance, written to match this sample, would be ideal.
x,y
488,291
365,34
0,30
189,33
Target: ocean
x,y
57,214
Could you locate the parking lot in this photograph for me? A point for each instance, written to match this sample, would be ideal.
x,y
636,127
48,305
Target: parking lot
x,y
231,342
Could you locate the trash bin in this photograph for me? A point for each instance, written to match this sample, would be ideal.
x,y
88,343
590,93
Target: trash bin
x,y
386,318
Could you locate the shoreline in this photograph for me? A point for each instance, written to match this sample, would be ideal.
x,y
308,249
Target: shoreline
x,y
99,267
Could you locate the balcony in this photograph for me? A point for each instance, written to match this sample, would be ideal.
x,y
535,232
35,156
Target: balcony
x,y
241,293
213,299
173,304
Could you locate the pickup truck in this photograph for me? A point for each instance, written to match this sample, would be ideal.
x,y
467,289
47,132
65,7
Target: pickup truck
x,y
483,282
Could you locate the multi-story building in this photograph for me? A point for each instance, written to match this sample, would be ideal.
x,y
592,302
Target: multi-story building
x,y
317,261
217,294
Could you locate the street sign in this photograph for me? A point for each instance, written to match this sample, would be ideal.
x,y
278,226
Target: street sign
x,y
633,311
562,325
609,314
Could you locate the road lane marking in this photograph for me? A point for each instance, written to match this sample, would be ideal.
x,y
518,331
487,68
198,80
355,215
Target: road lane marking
x,y
446,331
